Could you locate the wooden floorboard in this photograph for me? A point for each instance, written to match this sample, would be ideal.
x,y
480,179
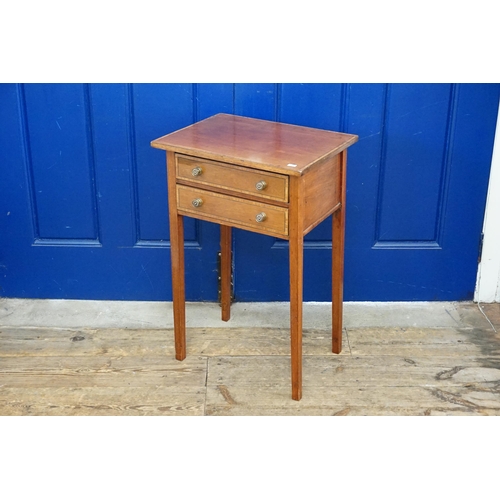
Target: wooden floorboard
x,y
246,371
101,401
492,312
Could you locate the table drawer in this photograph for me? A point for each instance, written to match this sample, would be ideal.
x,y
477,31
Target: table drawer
x,y
239,179
230,210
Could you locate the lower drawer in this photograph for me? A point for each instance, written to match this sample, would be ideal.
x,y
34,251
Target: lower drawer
x,y
230,210
235,178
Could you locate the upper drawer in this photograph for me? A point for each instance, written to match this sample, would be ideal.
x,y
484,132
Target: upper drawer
x,y
239,179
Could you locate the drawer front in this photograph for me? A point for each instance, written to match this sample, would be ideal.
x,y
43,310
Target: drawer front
x,y
260,217
239,179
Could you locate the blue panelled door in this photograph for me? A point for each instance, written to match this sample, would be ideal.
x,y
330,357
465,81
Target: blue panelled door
x,y
83,195
83,198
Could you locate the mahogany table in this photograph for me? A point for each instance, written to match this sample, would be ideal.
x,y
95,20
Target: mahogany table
x,y
271,178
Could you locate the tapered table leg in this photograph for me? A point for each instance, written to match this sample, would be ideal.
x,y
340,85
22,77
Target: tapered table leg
x,y
225,264
296,248
296,275
338,231
178,288
177,257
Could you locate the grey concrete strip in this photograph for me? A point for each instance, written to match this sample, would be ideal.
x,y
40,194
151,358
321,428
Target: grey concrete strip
x,y
402,314
123,314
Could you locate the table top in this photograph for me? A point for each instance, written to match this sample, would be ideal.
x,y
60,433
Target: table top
x,y
276,147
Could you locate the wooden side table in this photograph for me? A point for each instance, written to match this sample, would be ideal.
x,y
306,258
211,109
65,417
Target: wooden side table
x,y
271,178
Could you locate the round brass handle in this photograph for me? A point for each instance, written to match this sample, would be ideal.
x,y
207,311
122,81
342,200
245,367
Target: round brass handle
x,y
261,185
197,203
196,171
261,217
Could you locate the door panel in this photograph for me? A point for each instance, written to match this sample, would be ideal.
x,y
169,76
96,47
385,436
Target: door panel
x,y
83,198
413,163
56,130
256,100
149,107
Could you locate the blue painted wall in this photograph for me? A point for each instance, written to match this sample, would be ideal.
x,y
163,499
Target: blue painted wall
x,y
83,198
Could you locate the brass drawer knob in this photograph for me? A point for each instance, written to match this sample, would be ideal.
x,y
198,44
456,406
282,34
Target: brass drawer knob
x,y
196,171
261,217
197,203
261,185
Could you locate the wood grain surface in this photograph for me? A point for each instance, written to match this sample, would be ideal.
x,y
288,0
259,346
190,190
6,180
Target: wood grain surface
x,y
246,371
229,210
177,261
231,177
277,147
